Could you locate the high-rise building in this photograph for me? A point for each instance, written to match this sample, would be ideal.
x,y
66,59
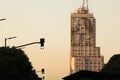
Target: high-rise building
x,y
84,54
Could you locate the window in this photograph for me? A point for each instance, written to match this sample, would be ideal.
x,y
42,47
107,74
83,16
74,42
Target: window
x,y
95,62
76,65
90,62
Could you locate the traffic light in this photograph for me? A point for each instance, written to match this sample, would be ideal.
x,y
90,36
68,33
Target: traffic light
x,y
43,71
43,77
42,41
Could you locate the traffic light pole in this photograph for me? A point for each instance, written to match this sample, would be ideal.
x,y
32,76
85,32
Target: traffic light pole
x,y
42,41
27,44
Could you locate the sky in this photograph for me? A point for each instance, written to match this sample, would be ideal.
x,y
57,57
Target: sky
x,y
31,20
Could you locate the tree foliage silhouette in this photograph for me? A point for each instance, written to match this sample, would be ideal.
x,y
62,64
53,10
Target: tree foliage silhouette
x,y
113,65
15,65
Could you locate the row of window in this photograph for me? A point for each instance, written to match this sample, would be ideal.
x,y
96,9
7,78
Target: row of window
x,y
83,54
91,69
88,59
86,53
88,67
78,50
88,63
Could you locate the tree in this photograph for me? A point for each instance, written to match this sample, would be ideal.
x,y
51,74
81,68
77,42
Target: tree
x,y
15,65
113,65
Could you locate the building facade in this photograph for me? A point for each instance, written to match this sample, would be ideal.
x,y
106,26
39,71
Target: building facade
x,y
84,54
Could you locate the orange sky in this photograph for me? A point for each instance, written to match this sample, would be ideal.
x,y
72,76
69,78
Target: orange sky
x,y
31,19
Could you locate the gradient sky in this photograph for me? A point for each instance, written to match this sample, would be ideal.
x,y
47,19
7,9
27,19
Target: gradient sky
x,y
30,20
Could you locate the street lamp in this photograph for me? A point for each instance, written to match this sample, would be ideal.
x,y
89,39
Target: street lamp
x,y
9,38
3,19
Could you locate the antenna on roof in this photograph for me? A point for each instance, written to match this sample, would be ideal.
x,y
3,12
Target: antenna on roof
x,y
85,6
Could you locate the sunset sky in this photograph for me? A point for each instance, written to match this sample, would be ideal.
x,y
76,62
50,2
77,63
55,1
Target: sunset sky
x,y
30,20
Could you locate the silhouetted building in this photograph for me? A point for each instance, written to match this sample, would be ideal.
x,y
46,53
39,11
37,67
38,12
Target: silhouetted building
x,y
91,75
84,54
